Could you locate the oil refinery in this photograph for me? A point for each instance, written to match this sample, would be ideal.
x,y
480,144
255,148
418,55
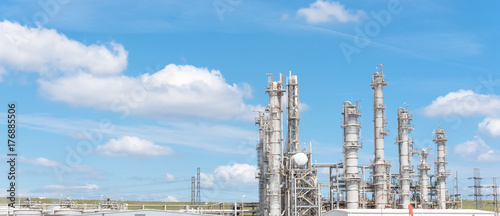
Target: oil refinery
x,y
288,182
288,178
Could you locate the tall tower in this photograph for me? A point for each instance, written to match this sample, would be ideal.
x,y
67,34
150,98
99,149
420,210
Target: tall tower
x,y
478,196
293,114
440,140
193,190
379,122
275,91
262,161
198,186
424,179
351,144
405,153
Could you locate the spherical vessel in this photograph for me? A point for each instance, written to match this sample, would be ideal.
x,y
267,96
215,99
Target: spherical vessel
x,y
299,160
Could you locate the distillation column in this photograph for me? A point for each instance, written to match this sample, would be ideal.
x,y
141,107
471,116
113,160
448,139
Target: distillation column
x,y
424,179
351,144
275,91
379,122
440,140
262,153
293,114
405,154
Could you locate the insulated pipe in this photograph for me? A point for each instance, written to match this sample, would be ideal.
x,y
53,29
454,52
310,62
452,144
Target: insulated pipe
x,y
351,144
380,166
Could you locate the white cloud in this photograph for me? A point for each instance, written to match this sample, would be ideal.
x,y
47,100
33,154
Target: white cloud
x,y
490,126
40,161
176,90
86,187
54,187
170,199
329,11
133,146
211,137
236,174
477,150
46,51
169,177
207,180
464,103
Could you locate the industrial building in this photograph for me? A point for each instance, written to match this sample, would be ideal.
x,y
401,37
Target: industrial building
x,y
288,182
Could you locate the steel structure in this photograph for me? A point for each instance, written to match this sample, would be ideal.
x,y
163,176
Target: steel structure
x,y
300,188
478,196
262,153
495,195
379,122
198,186
193,190
405,144
440,139
288,184
351,144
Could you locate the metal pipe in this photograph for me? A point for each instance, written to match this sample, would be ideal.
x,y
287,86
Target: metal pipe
x,y
379,122
351,145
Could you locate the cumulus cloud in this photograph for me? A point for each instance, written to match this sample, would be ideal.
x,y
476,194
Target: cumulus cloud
x,y
329,11
86,187
236,174
46,51
490,126
477,150
176,90
464,103
133,146
170,199
40,161
169,177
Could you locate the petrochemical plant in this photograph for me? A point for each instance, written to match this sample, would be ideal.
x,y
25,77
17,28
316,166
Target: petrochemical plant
x,y
288,182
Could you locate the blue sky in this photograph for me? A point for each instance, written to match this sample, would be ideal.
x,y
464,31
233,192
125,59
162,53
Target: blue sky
x,y
126,100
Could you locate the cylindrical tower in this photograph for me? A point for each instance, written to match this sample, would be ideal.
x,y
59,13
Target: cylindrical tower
x,y
424,179
275,92
293,114
351,144
404,142
379,122
261,121
440,140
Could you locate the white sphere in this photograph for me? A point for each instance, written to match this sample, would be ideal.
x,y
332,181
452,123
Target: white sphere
x,y
299,160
